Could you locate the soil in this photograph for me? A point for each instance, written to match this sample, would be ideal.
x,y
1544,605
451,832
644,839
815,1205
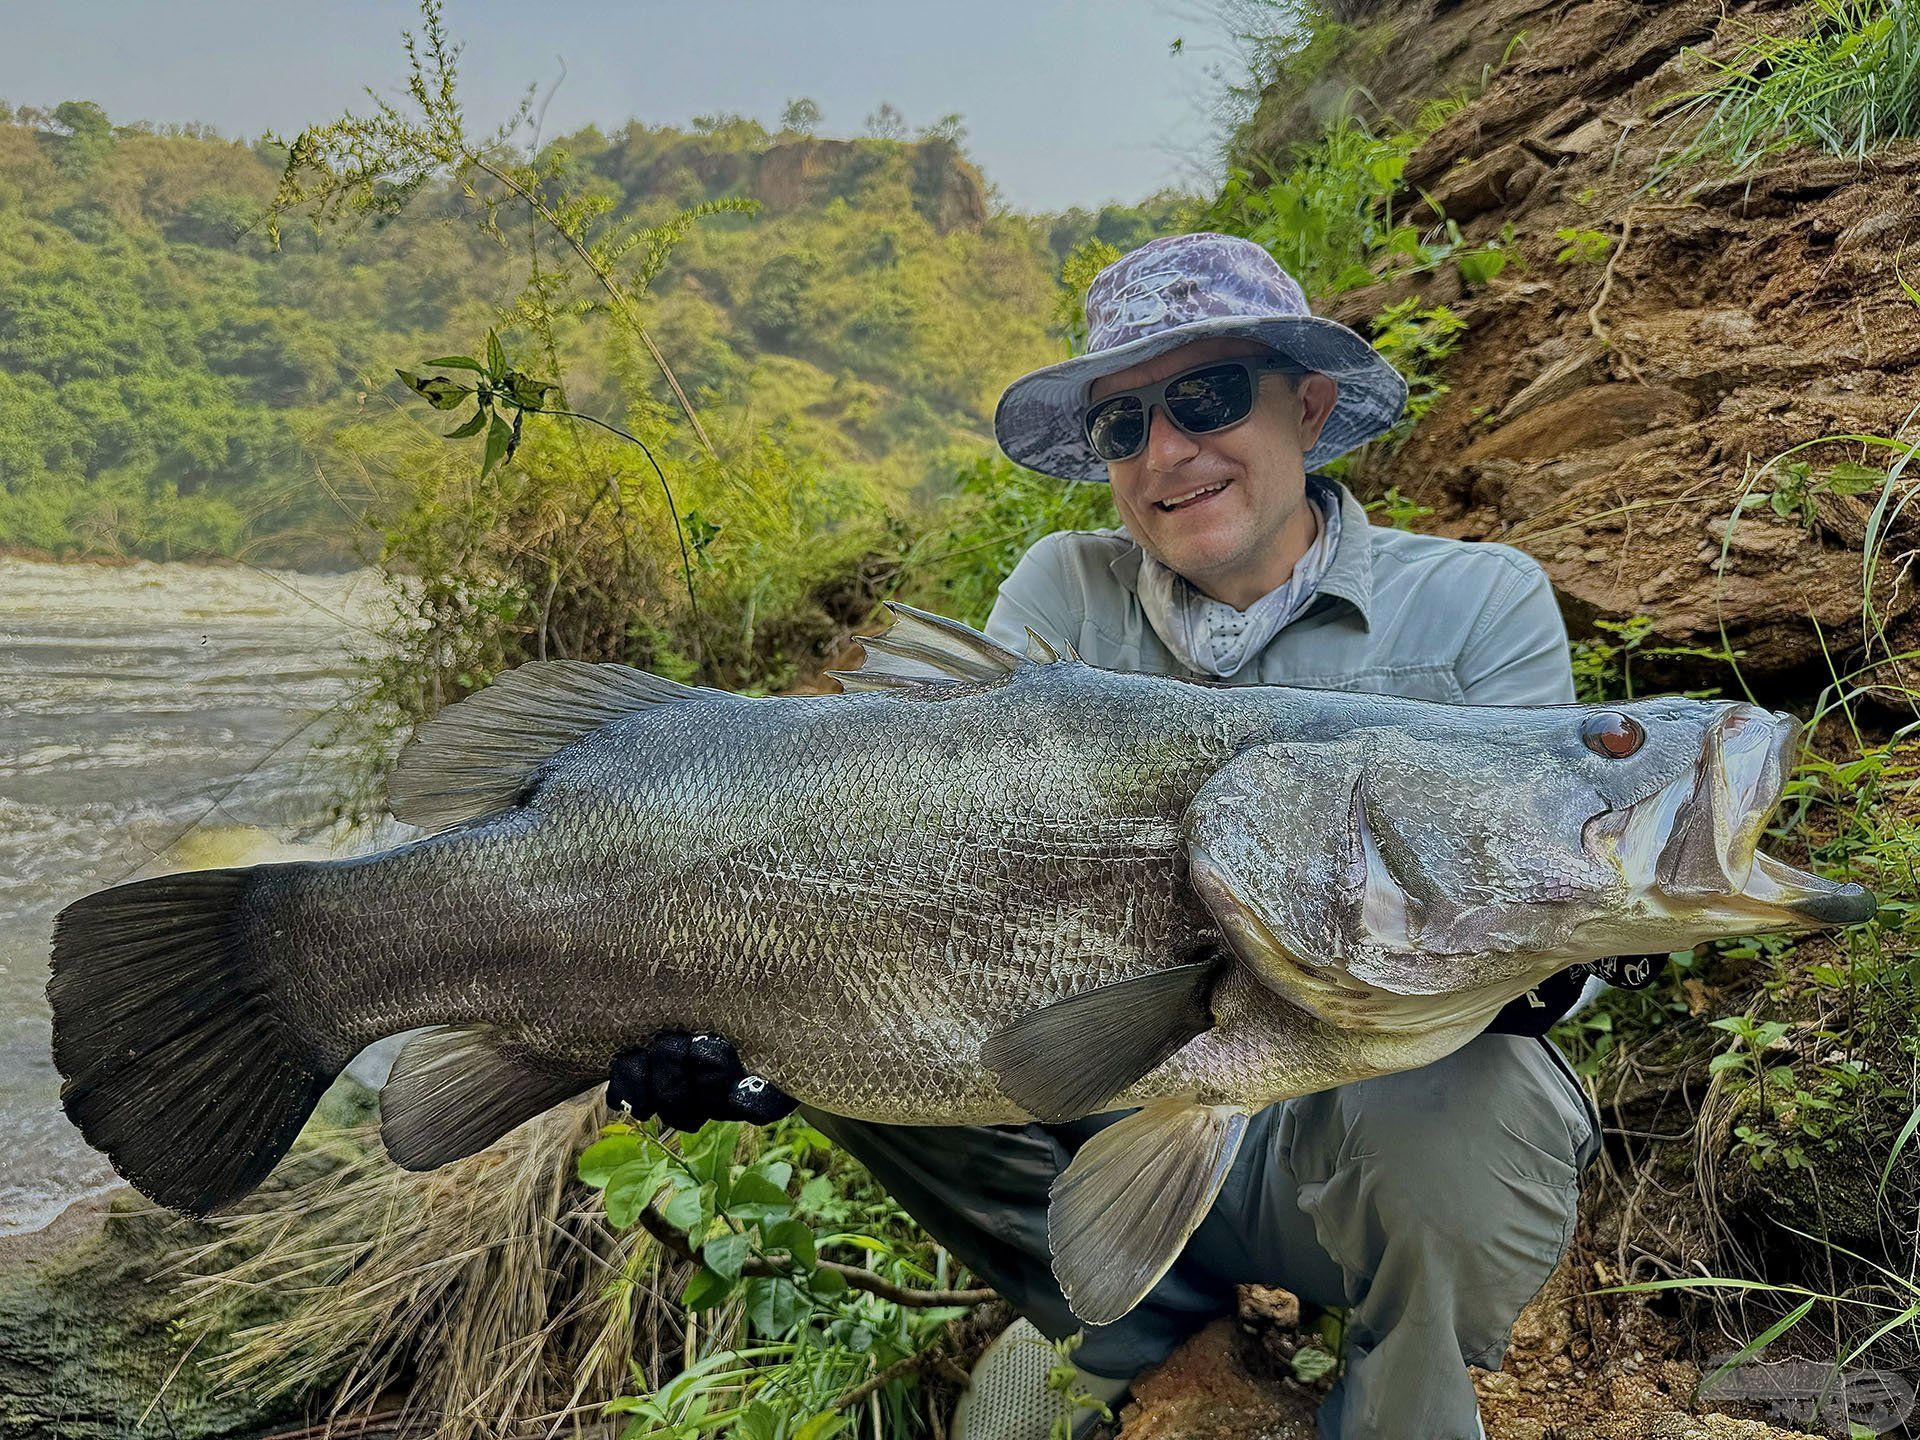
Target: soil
x,y
1561,1379
1607,417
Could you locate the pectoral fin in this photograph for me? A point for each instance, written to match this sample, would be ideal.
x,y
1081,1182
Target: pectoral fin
x,y
1123,1209
455,1091
1071,1057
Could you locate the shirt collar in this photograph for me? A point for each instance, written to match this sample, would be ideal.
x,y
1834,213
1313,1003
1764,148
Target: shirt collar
x,y
1349,574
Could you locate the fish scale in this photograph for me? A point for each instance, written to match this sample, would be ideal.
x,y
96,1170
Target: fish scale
x,y
978,888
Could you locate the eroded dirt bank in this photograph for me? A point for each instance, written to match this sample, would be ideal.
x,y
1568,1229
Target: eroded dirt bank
x,y
1608,415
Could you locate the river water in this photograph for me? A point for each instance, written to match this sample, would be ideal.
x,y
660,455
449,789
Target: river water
x,y
151,717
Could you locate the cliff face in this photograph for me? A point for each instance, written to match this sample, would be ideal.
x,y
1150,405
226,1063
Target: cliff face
x,y
1608,416
800,174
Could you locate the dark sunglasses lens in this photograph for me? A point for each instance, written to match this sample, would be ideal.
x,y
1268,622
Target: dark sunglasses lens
x,y
1210,399
1116,428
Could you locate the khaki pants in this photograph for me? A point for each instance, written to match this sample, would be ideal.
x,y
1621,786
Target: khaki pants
x,y
1431,1203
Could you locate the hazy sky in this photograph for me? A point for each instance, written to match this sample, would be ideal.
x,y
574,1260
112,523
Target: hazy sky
x,y
1066,102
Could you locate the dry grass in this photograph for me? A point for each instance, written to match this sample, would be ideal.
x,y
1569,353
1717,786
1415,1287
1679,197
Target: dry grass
x,y
491,1292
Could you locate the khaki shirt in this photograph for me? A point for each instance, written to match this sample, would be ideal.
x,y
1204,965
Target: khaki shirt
x,y
1396,614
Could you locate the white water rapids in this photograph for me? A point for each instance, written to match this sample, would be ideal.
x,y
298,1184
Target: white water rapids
x,y
143,708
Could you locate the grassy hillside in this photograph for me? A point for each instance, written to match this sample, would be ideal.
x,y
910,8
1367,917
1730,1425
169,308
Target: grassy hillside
x,y
177,387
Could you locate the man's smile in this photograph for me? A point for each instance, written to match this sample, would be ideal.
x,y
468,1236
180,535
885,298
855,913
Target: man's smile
x,y
1189,498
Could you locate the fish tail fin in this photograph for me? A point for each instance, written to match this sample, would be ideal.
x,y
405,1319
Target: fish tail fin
x,y
178,1058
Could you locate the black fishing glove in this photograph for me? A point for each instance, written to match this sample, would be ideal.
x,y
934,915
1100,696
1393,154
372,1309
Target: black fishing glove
x,y
1547,1004
689,1079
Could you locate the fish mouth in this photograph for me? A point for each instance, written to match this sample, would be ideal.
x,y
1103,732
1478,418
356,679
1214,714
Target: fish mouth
x,y
1693,847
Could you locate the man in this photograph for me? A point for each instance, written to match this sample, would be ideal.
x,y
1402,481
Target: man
x,y
1433,1203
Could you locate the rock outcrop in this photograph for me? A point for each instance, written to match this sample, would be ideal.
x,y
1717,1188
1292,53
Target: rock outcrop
x,y
1609,414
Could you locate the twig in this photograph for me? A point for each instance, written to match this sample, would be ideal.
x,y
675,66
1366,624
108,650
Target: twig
x,y
954,1335
657,1226
875,1382
1600,332
673,511
621,306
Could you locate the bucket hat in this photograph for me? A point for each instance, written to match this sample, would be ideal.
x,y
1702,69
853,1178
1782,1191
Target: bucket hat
x,y
1174,290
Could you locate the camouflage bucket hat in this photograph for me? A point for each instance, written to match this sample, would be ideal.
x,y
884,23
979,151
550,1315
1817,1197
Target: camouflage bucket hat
x,y
1178,289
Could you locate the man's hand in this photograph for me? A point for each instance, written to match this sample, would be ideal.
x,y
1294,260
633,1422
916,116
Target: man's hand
x,y
689,1079
1628,972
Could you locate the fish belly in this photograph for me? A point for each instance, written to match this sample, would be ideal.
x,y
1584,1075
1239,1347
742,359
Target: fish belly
x,y
858,942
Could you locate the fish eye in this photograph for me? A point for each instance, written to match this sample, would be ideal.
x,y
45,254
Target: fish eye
x,y
1612,735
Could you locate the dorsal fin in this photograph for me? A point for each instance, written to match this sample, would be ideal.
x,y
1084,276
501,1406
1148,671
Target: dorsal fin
x,y
476,756
919,651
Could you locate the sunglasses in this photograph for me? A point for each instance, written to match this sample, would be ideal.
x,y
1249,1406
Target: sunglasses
x,y
1200,401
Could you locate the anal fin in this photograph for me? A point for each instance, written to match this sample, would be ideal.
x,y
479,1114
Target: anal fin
x,y
1121,1212
1070,1058
455,1091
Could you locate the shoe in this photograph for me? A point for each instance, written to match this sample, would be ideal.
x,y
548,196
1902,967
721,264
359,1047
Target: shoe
x,y
1007,1396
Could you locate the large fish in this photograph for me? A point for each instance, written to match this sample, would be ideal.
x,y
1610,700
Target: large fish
x,y
980,887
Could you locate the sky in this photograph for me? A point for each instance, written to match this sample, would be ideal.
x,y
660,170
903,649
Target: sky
x,y
1065,102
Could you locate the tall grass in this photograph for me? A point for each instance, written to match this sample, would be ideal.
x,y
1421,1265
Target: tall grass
x,y
1810,1109
1848,83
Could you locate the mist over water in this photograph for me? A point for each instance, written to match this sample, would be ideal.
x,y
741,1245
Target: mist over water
x,y
140,705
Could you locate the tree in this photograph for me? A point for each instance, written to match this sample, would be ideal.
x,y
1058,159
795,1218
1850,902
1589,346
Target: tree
x,y
948,128
88,133
802,115
887,123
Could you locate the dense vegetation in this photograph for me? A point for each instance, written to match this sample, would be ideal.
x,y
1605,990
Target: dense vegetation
x,y
178,386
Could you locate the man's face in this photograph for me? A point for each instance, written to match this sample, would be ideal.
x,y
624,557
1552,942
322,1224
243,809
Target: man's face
x,y
1215,507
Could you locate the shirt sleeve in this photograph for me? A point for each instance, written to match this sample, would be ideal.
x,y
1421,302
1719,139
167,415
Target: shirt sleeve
x,y
1034,596
1517,651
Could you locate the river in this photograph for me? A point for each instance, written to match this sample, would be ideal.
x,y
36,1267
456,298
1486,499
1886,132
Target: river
x,y
151,717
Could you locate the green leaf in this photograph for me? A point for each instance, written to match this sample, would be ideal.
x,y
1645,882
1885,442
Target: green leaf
x,y
599,1160
458,362
827,1283
853,1333
827,1422
472,427
499,440
496,358
630,1189
795,1237
437,390
1760,1342
862,1242
1850,478
709,1151
1899,1143
725,1254
815,1193
1310,1363
706,1289
756,1198
1477,267
685,1208
526,391
774,1306
757,1422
